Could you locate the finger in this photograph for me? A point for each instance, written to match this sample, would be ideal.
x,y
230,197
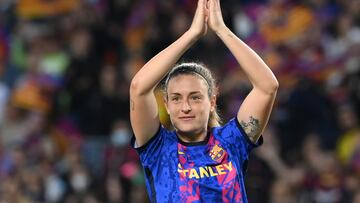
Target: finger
x,y
207,8
217,3
201,7
200,4
211,5
214,5
207,14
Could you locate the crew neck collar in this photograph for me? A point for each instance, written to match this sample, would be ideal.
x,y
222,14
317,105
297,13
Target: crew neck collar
x,y
199,143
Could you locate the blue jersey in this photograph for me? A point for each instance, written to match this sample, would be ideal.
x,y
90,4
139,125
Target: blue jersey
x,y
209,171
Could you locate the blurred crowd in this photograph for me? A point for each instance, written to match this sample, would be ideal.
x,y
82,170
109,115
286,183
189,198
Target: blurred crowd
x,y
65,69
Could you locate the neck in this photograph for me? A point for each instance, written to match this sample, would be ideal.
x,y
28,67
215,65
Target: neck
x,y
192,137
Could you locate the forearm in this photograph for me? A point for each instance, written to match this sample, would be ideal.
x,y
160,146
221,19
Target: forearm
x,y
153,71
278,166
254,67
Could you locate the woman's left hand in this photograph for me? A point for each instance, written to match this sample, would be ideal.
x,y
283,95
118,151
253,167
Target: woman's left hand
x,y
199,24
215,21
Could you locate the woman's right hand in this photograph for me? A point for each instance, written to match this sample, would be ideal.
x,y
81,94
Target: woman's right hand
x,y
199,24
216,22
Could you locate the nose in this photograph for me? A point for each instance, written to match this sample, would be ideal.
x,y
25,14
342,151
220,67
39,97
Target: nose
x,y
186,108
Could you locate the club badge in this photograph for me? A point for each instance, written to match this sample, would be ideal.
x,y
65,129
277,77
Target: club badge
x,y
217,153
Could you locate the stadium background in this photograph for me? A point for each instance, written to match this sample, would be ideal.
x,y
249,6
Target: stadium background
x,y
65,68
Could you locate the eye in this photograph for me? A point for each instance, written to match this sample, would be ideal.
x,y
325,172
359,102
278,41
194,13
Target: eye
x,y
196,97
175,99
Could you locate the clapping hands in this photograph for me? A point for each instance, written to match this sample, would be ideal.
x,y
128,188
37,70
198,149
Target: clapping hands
x,y
208,15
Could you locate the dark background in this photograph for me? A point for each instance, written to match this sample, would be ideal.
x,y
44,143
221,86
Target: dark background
x,y
65,69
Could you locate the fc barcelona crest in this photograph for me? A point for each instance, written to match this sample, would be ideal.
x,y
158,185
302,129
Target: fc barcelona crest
x,y
217,153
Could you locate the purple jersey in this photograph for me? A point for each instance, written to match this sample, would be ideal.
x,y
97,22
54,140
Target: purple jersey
x,y
209,171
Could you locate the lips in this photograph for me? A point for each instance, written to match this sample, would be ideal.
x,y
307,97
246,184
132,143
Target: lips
x,y
186,118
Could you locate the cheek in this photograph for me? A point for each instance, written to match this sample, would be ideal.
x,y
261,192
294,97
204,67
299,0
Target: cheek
x,y
172,109
204,108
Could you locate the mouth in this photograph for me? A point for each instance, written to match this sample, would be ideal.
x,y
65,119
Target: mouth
x,y
186,118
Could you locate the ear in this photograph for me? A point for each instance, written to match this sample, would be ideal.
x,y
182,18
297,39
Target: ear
x,y
166,104
213,103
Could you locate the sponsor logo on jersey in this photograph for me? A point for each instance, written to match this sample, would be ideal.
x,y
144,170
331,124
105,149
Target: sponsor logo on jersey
x,y
206,171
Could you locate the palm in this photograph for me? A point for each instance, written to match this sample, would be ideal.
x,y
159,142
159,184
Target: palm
x,y
199,24
215,16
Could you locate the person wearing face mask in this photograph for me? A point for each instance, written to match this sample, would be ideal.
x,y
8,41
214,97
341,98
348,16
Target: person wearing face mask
x,y
200,161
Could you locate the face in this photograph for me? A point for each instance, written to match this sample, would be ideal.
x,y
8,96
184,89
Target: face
x,y
188,104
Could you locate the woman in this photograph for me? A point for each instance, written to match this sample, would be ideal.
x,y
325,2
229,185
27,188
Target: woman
x,y
200,161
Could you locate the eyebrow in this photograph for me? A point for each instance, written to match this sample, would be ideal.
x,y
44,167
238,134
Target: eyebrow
x,y
191,93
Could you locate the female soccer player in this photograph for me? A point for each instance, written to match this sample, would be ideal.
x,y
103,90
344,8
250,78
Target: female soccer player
x,y
200,161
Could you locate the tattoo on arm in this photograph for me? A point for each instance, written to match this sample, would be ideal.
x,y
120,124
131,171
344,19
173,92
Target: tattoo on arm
x,y
252,128
132,108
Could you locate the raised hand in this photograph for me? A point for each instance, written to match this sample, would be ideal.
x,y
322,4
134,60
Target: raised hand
x,y
199,23
215,20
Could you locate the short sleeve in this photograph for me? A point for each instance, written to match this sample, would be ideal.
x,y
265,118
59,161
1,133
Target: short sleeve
x,y
233,133
249,144
238,142
150,151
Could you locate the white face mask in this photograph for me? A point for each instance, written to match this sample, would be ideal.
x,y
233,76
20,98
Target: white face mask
x,y
54,188
79,182
120,137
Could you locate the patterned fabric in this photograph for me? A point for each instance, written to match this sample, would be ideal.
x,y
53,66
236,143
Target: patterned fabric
x,y
209,171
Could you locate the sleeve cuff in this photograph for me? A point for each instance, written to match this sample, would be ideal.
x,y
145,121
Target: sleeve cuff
x,y
254,145
143,147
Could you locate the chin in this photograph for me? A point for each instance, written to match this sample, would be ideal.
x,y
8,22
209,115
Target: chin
x,y
187,129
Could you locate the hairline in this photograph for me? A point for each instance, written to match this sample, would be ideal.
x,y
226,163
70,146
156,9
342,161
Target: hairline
x,y
194,73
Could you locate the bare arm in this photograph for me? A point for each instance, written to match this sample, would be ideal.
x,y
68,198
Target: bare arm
x,y
143,107
254,113
270,153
